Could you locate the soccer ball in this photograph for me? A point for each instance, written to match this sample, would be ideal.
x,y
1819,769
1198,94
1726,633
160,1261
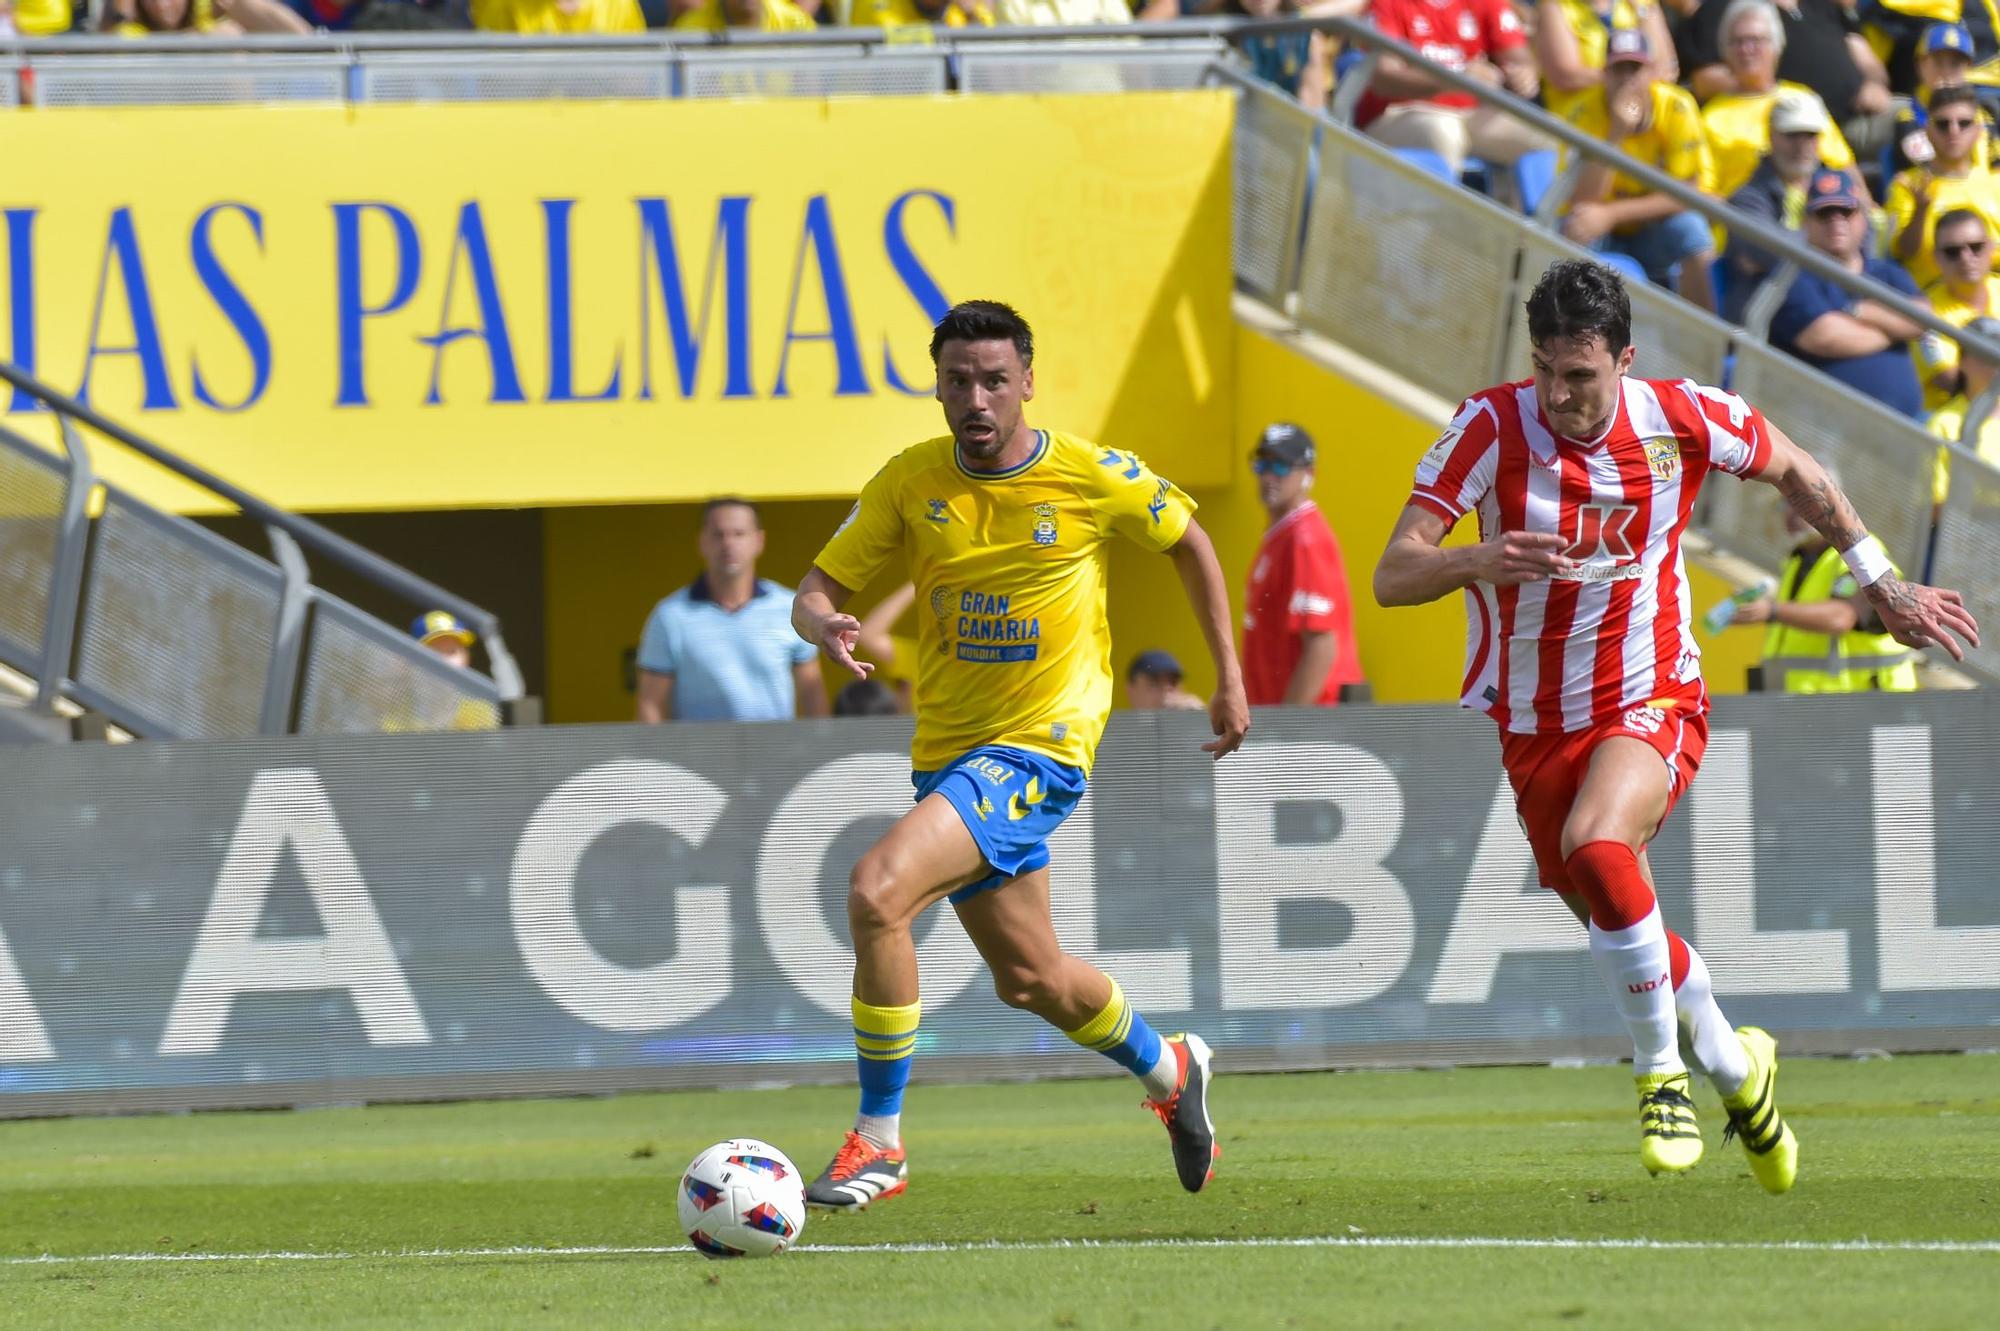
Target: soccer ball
x,y
742,1198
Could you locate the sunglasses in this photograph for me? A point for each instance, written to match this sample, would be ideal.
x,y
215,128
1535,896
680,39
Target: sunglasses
x,y
1264,466
1943,123
1970,247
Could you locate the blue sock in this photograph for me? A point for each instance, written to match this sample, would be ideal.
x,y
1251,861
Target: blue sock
x,y
1121,1035
885,1039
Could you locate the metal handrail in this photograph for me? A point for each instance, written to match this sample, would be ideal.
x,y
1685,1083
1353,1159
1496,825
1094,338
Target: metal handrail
x,y
1787,245
414,588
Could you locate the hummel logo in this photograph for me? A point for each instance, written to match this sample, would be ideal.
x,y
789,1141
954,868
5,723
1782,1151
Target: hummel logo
x,y
1017,809
938,512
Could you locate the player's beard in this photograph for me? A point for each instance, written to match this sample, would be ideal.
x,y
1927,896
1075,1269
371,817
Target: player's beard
x,y
981,447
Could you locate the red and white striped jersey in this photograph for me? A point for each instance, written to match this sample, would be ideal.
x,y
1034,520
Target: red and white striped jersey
x,y
1579,649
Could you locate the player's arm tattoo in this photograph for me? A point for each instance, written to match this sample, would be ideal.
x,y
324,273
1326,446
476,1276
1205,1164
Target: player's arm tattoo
x,y
1821,506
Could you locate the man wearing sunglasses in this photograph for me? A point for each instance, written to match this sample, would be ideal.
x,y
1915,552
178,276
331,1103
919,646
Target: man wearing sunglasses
x,y
1951,179
1965,290
1863,344
1298,621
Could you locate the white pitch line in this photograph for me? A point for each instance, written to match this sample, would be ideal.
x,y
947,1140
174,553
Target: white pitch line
x,y
1982,1246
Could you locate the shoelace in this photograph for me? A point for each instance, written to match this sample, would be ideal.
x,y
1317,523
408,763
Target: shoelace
x,y
852,1155
1659,1101
1165,1109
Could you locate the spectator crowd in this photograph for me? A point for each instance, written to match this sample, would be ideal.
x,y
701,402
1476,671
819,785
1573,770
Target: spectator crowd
x,y
1864,126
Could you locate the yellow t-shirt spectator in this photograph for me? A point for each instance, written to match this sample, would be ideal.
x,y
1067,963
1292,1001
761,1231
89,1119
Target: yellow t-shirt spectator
x,y
1592,35
41,18
1978,190
904,13
779,16
1673,140
200,18
1948,422
1935,353
1739,134
543,18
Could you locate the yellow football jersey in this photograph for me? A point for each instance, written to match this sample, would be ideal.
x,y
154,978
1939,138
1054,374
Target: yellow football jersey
x,y
1013,646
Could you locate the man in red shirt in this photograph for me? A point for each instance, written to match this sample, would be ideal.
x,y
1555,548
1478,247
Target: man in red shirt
x,y
1582,479
1405,107
1298,621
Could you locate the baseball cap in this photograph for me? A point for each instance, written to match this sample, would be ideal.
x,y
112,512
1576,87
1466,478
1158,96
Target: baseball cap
x,y
1626,45
1154,662
434,624
1287,443
1946,37
1798,111
1831,187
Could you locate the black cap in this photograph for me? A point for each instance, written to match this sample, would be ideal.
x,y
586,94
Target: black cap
x,y
1287,443
1154,662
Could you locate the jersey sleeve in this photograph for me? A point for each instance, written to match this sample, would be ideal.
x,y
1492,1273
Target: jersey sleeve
x,y
1504,30
1145,509
871,533
1729,433
1459,468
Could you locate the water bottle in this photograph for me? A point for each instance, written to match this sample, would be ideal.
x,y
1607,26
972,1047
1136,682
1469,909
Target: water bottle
x,y
1717,619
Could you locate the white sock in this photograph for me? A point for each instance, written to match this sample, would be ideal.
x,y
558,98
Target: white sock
x,y
885,1130
1164,1077
1633,962
1717,1051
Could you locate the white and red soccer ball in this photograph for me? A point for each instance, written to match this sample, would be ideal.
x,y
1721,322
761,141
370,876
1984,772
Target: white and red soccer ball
x,y
742,1198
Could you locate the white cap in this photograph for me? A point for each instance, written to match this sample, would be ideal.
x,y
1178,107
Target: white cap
x,y
1798,111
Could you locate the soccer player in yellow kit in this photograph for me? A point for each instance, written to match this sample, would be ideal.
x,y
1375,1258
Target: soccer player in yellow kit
x,y
1005,530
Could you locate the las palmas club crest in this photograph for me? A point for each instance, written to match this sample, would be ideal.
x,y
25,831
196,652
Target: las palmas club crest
x,y
1045,524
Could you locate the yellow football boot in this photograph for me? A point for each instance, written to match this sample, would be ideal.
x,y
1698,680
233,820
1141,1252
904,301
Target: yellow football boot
x,y
1669,1137
1754,1118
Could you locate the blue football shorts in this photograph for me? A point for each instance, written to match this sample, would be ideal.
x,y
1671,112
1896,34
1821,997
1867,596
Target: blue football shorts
x,y
1011,801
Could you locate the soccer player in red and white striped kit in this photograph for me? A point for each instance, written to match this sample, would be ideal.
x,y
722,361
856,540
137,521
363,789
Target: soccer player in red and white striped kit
x,y
1581,648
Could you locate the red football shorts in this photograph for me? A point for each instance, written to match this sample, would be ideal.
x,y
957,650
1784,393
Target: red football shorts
x,y
1548,770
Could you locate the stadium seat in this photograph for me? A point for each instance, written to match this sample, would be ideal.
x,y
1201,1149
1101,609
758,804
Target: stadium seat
x,y
1426,160
1534,175
1625,265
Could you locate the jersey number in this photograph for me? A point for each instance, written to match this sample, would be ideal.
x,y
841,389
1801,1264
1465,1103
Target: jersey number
x,y
1603,532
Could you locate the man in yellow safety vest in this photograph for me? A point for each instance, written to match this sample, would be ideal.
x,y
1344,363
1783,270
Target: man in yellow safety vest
x,y
1822,635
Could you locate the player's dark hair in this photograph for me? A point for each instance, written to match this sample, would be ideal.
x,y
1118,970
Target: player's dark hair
x,y
984,321
1580,298
1958,94
1957,215
733,501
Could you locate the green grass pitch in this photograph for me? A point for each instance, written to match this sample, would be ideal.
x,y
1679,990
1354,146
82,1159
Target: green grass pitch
x,y
1049,1205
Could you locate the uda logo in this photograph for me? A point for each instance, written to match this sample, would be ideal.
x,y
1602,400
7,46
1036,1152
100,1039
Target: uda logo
x,y
1045,524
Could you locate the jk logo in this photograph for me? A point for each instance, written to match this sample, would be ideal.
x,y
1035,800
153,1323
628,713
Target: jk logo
x,y
1603,532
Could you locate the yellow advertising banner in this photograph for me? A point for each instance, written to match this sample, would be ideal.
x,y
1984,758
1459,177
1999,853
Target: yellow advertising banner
x,y
415,307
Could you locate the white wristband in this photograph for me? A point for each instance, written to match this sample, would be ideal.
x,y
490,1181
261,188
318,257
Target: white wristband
x,y
1868,561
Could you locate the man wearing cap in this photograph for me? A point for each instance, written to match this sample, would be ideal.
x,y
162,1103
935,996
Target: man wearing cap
x,y
1775,193
1654,122
1863,344
425,706
1965,291
1944,60
445,634
1298,620
1951,179
722,648
1153,683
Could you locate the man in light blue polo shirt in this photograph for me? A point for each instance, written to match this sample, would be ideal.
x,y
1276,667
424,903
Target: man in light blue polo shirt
x,y
722,648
